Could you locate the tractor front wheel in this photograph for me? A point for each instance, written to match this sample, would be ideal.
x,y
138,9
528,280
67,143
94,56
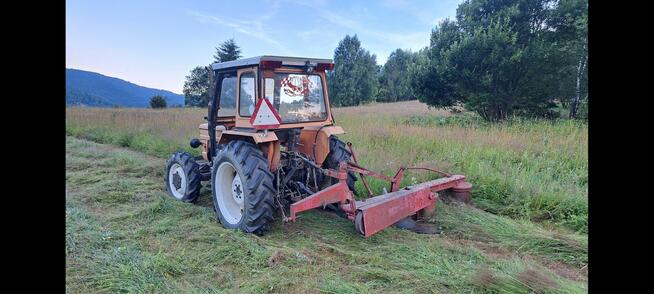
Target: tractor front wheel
x,y
182,177
242,188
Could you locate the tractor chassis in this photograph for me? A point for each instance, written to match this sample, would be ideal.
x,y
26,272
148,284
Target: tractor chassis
x,y
371,215
204,167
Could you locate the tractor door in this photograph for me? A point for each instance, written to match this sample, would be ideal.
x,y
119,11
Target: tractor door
x,y
222,109
227,97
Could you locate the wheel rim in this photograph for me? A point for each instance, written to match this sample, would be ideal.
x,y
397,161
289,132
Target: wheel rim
x,y
177,180
229,193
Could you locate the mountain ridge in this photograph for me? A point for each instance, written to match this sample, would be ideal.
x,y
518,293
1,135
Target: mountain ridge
x,y
88,88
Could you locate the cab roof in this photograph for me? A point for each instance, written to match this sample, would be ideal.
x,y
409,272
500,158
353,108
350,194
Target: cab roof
x,y
286,60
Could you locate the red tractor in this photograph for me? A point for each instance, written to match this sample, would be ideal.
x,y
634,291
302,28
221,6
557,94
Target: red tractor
x,y
270,144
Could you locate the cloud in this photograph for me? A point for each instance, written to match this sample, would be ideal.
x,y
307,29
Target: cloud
x,y
308,34
253,28
424,12
395,4
414,40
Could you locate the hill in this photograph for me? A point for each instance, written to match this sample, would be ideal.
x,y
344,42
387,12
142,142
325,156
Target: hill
x,y
85,88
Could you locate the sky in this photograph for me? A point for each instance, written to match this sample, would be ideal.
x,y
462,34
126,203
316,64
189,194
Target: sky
x,y
156,43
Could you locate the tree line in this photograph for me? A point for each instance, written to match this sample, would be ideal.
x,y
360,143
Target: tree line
x,y
497,58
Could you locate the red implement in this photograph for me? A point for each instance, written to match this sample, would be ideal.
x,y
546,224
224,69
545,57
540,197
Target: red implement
x,y
377,213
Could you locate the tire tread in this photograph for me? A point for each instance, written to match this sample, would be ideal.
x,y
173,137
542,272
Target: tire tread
x,y
258,178
192,170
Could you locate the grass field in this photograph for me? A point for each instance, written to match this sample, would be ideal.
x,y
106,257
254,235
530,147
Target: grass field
x,y
525,232
536,170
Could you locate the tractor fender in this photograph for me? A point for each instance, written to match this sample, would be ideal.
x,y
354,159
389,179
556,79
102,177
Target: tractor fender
x,y
254,137
268,143
332,130
315,141
223,136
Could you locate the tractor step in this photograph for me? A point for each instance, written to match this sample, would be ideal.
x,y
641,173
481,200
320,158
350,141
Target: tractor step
x,y
205,169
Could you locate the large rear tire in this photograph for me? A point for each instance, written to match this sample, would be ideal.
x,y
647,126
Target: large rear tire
x,y
182,177
242,188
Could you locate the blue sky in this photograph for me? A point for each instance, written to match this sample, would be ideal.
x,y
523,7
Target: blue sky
x,y
157,43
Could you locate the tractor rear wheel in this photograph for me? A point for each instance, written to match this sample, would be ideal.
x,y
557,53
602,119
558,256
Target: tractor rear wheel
x,y
242,188
182,177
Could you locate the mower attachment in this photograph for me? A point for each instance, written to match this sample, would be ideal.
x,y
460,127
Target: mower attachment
x,y
377,213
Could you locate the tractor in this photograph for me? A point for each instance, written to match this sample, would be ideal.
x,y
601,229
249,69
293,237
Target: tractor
x,y
270,149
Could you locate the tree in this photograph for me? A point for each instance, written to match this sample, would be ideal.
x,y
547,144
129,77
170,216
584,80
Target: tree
x,y
394,82
227,51
498,58
197,87
199,84
158,101
354,79
432,76
570,30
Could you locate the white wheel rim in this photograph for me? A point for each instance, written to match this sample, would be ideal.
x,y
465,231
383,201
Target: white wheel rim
x,y
229,193
177,172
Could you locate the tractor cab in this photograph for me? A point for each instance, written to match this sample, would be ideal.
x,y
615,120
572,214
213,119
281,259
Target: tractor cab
x,y
294,87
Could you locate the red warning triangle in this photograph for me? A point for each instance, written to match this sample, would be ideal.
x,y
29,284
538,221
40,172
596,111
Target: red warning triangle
x,y
265,116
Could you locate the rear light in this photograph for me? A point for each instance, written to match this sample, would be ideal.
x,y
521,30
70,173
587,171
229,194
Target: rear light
x,y
325,66
270,64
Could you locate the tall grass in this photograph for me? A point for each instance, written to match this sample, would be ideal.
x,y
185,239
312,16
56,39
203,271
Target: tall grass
x,y
526,169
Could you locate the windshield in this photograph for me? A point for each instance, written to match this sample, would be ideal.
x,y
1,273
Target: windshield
x,y
297,97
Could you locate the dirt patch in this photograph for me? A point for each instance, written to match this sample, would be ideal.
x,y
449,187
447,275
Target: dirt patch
x,y
295,229
567,271
484,277
276,258
569,241
564,270
490,250
536,280
499,252
496,252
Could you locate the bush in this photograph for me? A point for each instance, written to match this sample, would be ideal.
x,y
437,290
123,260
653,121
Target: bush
x,y
158,102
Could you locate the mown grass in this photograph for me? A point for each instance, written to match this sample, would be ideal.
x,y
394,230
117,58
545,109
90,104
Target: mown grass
x,y
124,234
527,169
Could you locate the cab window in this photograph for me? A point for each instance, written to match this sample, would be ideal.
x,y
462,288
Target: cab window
x,y
296,97
227,97
246,94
